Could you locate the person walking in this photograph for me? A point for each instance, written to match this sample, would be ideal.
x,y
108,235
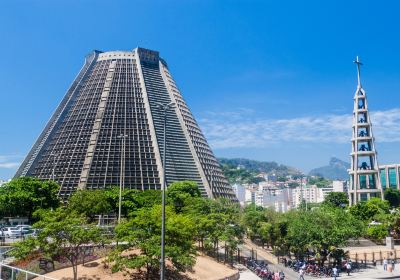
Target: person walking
x,y
393,262
301,272
335,272
385,263
348,268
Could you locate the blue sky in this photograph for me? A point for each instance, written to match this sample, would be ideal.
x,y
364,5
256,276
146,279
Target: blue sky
x,y
267,80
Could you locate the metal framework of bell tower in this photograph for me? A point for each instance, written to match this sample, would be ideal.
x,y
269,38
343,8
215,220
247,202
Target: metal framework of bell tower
x,y
364,172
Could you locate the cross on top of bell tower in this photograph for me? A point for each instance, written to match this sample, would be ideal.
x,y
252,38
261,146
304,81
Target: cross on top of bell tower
x,y
359,63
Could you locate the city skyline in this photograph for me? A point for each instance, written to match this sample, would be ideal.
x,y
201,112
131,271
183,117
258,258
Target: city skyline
x,y
274,86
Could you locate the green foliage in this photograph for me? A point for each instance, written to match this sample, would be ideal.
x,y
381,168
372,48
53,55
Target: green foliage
x,y
251,219
178,193
143,232
25,195
90,202
309,206
241,175
189,218
367,210
132,199
282,179
24,248
321,230
336,199
377,232
245,171
259,166
63,234
319,181
393,197
293,185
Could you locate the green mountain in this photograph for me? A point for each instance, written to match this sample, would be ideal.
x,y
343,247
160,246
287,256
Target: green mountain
x,y
336,170
243,170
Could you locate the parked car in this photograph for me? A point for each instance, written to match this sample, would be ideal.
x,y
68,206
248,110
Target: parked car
x,y
11,232
24,229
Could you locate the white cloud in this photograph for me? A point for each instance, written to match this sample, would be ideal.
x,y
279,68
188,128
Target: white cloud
x,y
242,129
9,161
9,164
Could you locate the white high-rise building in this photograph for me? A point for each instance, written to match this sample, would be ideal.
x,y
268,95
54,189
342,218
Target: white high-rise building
x,y
240,192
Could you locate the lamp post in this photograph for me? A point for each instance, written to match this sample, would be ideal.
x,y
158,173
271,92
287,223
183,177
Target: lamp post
x,y
164,108
121,174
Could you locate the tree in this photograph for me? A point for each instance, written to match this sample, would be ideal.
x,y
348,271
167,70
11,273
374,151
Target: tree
x,y
282,179
142,236
336,199
132,200
321,230
320,182
179,193
293,185
393,197
63,234
23,196
367,210
250,220
90,203
377,232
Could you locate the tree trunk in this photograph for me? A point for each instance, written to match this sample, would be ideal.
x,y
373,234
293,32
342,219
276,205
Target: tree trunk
x,y
225,253
217,250
147,271
75,270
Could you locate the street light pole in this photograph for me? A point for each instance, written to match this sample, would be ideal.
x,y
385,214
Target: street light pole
x,y
164,108
121,174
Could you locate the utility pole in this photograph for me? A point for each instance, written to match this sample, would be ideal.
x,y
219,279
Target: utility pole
x,y
121,174
164,108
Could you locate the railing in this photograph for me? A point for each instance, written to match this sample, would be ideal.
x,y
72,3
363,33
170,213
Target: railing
x,y
3,255
10,272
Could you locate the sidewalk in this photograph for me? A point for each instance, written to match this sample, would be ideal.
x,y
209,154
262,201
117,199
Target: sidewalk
x,y
273,264
248,275
369,274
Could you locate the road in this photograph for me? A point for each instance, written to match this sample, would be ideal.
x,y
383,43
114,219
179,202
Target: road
x,y
246,251
365,274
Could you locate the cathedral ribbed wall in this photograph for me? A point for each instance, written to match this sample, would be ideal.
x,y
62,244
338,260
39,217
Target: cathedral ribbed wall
x,y
117,94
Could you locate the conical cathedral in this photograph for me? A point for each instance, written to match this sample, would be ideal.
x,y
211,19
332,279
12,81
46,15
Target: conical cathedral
x,y
108,130
364,177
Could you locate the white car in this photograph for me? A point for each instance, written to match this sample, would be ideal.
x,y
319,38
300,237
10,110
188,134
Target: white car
x,y
24,229
11,232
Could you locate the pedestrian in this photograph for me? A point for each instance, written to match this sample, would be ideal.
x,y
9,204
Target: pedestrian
x,y
334,272
385,263
393,262
276,276
281,275
348,268
301,271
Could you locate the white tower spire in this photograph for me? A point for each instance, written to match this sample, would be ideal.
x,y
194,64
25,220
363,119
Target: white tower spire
x,y
364,172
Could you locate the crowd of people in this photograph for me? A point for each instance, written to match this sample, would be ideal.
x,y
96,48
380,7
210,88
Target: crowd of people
x,y
311,268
